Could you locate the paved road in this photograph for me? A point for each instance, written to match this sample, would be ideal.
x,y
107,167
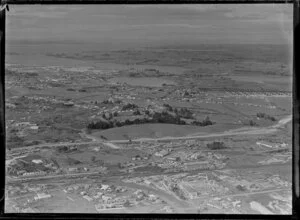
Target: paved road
x,y
65,175
254,193
110,144
244,194
82,175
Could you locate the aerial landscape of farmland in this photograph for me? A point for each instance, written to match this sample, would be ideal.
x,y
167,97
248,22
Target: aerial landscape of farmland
x,y
138,121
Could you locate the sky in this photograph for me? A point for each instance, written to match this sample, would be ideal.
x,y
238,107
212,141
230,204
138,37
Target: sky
x,y
152,24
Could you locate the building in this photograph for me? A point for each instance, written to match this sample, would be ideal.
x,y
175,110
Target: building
x,y
42,196
152,197
147,182
173,158
34,127
162,153
37,161
88,198
197,165
34,173
106,198
263,144
73,169
138,191
188,190
260,208
69,103
83,193
21,172
96,149
105,187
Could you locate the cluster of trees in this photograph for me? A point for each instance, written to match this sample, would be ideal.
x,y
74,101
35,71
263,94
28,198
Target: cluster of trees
x,y
129,106
182,112
156,117
168,107
127,203
103,137
178,191
136,112
265,116
205,122
109,115
107,101
135,121
241,188
13,140
99,162
72,161
147,72
165,117
252,123
111,101
65,149
216,145
100,124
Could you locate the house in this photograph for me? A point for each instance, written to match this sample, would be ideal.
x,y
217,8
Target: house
x,y
260,208
162,153
96,149
263,144
138,191
188,190
88,198
21,172
69,103
42,196
37,161
34,173
34,127
197,165
106,198
152,197
105,187
83,193
147,182
73,169
172,158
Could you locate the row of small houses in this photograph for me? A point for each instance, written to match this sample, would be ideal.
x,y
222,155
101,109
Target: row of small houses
x,y
35,173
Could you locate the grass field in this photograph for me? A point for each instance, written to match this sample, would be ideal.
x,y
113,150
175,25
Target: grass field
x,y
157,131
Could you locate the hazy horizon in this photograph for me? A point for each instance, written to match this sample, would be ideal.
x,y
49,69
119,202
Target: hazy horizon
x,y
151,25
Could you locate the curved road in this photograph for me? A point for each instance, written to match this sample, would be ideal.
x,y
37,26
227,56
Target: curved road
x,y
240,131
